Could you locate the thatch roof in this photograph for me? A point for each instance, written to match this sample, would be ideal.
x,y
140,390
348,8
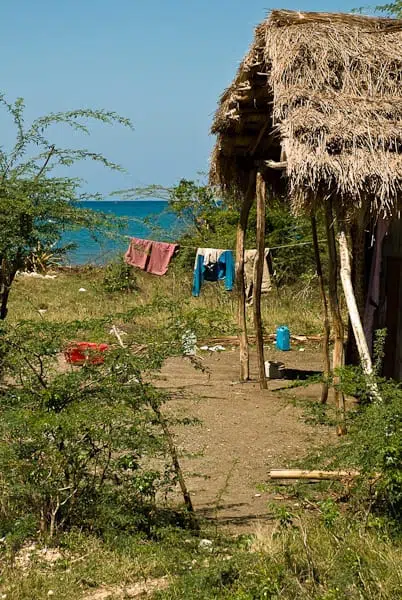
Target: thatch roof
x,y
325,90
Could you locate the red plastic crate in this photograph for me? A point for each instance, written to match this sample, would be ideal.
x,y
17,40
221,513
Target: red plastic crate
x,y
80,353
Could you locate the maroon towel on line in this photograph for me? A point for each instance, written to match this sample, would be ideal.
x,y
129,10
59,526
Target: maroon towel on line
x,y
138,253
161,255
153,257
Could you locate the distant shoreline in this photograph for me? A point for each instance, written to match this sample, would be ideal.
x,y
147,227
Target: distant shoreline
x,y
145,200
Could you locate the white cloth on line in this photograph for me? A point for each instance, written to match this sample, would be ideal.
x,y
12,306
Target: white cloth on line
x,y
249,270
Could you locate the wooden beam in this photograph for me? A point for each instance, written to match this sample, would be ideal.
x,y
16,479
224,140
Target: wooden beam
x,y
241,292
272,164
324,302
361,342
316,474
260,136
258,274
336,316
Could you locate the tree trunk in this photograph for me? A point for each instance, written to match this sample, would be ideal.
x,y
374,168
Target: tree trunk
x,y
6,280
241,292
258,274
327,330
336,316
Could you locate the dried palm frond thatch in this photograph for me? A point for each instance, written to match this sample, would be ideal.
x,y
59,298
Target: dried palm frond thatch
x,y
324,90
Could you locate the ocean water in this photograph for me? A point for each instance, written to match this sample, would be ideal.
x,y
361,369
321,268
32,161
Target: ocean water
x,y
149,219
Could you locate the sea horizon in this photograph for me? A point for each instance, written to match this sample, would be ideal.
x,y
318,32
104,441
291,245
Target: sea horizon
x,y
146,218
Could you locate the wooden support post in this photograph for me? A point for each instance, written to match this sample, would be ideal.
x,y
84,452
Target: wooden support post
x,y
337,323
327,329
258,273
346,278
358,266
240,287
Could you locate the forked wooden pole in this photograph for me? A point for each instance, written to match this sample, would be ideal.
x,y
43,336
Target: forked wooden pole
x,y
336,316
327,329
258,274
241,292
361,342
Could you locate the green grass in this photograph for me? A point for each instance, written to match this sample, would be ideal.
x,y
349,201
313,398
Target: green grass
x,y
320,556
317,553
63,301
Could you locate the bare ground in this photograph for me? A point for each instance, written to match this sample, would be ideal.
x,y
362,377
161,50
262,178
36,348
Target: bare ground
x,y
244,431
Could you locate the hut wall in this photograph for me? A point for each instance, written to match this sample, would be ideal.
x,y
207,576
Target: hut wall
x,y
389,311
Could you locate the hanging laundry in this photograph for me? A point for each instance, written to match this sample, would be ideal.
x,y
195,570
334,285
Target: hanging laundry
x,y
249,268
138,253
212,265
152,257
161,255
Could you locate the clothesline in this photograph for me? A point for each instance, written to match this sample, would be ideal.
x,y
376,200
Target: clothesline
x,y
271,247
291,245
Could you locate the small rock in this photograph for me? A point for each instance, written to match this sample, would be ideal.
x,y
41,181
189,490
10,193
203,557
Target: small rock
x,y
205,543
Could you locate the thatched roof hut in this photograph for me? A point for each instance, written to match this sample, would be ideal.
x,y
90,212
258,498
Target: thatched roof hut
x,y
315,111
323,92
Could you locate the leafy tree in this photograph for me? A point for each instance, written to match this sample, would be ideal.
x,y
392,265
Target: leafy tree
x,y
37,204
393,9
208,220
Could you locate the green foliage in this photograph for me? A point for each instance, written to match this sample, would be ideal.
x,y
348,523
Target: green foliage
x,y
393,9
118,276
373,445
207,220
294,259
36,205
377,450
379,350
79,446
310,559
44,258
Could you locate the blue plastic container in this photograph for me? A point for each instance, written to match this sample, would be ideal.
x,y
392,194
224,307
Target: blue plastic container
x,y
283,338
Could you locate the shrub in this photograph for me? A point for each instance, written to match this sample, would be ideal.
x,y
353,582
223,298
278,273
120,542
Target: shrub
x,y
119,277
78,446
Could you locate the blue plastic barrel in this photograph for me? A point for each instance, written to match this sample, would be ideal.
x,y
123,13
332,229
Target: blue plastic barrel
x,y
283,338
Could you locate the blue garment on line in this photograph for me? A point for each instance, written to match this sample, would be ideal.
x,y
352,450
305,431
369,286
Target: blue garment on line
x,y
222,269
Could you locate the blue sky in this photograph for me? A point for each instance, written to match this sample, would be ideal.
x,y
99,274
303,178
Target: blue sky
x,y
163,63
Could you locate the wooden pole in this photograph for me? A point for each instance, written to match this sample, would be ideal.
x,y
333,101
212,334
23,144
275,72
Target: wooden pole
x,y
361,342
358,265
240,287
327,329
258,274
304,474
336,316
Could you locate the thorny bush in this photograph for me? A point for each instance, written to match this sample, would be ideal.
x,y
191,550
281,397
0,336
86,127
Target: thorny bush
x,y
79,445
